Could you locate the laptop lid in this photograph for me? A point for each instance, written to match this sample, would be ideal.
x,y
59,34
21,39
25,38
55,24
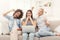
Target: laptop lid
x,y
28,29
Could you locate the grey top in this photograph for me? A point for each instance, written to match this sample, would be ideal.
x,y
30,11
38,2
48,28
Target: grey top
x,y
29,22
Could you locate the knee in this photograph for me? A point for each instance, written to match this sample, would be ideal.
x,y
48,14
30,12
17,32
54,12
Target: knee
x,y
37,35
25,34
13,32
31,35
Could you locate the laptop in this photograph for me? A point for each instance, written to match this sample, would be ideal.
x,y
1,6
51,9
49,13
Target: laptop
x,y
28,29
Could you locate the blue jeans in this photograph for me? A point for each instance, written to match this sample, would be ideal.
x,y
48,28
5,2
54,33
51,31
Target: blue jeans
x,y
44,33
25,36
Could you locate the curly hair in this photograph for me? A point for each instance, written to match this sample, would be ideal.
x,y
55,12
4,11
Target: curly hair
x,y
18,10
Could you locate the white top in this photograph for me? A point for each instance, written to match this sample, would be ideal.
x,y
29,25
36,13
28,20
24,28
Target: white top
x,y
15,25
41,23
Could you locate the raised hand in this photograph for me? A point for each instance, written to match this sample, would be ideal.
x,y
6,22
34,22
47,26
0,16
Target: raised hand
x,y
8,12
32,8
12,10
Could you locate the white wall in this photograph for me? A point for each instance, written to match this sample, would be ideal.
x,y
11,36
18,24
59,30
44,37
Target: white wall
x,y
56,8
24,5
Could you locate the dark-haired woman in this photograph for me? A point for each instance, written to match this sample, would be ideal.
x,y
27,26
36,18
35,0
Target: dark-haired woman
x,y
14,22
29,21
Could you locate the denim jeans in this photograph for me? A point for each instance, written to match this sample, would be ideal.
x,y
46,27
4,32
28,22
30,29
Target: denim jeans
x,y
44,33
25,36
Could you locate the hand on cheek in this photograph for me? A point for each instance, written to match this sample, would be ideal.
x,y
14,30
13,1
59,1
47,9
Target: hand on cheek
x,y
28,17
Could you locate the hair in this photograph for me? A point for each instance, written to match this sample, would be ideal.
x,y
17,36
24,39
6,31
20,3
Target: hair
x,y
31,13
20,16
42,9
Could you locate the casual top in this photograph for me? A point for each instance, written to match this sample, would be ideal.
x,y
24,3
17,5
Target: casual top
x,y
15,25
29,22
41,23
11,22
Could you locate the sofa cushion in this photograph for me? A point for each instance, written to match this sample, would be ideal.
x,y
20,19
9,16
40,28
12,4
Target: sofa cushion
x,y
50,38
54,24
7,37
4,37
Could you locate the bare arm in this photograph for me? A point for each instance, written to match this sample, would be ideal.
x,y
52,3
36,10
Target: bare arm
x,y
33,22
24,22
8,12
47,22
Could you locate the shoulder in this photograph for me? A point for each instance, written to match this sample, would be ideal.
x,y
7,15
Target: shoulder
x,y
11,18
24,19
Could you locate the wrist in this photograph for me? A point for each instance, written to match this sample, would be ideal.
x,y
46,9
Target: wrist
x,y
19,29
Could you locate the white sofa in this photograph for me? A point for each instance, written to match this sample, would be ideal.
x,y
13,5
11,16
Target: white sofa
x,y
53,25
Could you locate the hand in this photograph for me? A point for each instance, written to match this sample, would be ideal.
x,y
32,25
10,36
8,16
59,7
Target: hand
x,y
8,12
12,10
28,18
32,8
19,29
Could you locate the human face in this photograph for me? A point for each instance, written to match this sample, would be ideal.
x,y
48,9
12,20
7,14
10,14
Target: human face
x,y
17,14
29,14
40,12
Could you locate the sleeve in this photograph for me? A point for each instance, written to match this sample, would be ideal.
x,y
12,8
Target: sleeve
x,y
20,24
23,20
8,17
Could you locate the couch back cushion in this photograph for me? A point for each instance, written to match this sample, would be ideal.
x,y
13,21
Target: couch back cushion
x,y
4,25
54,24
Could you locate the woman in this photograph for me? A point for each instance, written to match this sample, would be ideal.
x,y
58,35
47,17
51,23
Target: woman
x,y
14,23
43,25
17,15
29,20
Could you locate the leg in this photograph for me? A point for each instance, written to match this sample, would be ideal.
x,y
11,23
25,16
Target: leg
x,y
37,34
31,36
14,35
46,33
25,35
49,33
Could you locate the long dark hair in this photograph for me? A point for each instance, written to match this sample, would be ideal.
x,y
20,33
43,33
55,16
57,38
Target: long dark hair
x,y
31,13
20,16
